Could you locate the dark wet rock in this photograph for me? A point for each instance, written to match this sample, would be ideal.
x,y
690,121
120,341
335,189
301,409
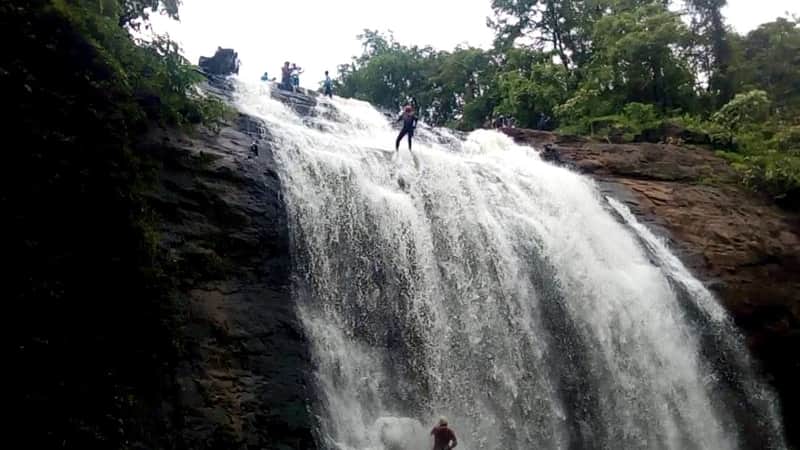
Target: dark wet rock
x,y
224,62
242,377
302,102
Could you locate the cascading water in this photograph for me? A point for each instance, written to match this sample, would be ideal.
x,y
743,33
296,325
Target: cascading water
x,y
497,290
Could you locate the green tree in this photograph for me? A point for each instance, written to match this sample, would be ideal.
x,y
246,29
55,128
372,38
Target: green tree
x,y
714,51
768,58
532,94
459,78
441,84
638,57
561,26
153,71
744,111
133,12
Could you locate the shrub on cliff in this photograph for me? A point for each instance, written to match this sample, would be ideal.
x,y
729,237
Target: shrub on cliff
x,y
744,111
158,79
771,164
766,148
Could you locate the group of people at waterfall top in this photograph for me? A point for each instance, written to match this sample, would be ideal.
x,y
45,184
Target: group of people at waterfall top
x,y
290,81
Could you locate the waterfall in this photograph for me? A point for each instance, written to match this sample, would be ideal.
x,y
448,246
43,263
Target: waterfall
x,y
498,290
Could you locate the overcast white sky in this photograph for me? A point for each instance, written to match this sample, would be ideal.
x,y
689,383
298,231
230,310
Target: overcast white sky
x,y
320,34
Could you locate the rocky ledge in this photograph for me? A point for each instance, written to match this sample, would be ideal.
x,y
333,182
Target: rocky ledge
x,y
742,245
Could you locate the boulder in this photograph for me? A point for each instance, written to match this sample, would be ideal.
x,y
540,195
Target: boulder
x,y
302,102
224,62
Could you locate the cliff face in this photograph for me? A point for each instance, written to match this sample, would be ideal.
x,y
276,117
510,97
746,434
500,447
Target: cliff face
x,y
240,380
744,247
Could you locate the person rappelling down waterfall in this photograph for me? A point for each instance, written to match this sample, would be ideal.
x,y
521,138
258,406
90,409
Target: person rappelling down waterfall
x,y
443,437
409,120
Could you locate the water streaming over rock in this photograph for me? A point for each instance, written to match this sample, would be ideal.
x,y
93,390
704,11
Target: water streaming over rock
x,y
498,290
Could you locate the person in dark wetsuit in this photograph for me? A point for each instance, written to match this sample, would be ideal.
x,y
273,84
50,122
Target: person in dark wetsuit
x,y
409,125
286,77
443,436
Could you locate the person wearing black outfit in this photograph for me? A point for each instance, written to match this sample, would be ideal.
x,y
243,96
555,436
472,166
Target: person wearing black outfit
x,y
409,120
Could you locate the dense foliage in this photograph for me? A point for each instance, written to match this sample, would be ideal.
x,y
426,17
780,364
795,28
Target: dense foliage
x,y
84,284
609,68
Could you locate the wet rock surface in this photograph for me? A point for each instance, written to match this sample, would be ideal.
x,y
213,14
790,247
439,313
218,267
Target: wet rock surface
x,y
224,62
241,379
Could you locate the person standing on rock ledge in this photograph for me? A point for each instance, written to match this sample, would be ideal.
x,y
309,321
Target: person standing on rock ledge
x,y
443,436
328,86
286,77
295,76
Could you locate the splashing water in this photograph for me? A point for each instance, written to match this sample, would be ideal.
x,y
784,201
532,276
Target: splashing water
x,y
498,290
